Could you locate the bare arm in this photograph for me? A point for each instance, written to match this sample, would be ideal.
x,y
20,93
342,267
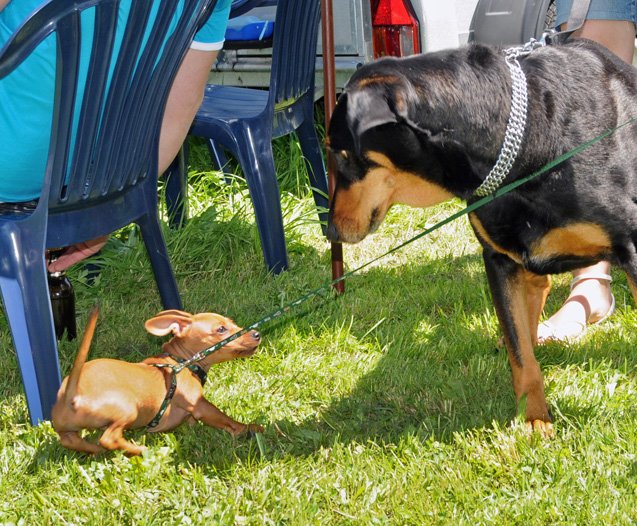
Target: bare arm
x,y
3,4
184,100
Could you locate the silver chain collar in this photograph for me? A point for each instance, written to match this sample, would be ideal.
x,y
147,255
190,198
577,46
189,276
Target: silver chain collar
x,y
517,119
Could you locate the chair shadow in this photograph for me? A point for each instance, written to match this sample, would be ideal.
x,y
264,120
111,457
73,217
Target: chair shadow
x,y
234,238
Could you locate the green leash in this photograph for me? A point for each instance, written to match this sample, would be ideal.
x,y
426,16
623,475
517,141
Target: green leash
x,y
283,310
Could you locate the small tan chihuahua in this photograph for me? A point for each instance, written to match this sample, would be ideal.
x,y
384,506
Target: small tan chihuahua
x,y
114,396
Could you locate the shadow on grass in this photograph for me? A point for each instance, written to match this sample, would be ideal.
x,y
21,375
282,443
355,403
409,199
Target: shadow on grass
x,y
440,372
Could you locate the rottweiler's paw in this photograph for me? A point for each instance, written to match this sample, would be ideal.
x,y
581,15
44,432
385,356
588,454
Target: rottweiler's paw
x,y
545,429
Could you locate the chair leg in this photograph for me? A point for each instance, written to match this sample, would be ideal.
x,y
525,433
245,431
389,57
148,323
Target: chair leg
x,y
25,295
177,189
219,159
160,261
217,154
257,162
315,167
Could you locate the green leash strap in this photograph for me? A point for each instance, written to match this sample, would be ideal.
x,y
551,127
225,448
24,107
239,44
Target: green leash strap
x,y
470,208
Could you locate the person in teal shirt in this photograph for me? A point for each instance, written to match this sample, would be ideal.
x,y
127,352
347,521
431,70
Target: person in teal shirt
x,y
26,107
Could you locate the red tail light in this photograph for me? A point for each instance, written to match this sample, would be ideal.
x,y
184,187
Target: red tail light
x,y
395,28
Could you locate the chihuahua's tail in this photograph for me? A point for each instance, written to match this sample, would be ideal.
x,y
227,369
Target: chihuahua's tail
x,y
82,355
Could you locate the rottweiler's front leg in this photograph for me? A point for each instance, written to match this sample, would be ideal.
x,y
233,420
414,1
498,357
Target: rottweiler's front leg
x,y
537,290
508,284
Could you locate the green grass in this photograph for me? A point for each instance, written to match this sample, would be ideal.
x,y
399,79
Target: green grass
x,y
388,405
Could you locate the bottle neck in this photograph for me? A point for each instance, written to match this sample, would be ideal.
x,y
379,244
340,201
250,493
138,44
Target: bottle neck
x,y
53,255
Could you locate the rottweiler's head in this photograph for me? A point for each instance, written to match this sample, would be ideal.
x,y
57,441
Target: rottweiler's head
x,y
382,156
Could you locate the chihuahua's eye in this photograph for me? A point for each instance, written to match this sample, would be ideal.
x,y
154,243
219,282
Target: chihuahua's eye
x,y
222,330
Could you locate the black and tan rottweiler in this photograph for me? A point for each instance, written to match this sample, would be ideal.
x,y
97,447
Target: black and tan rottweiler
x,y
423,129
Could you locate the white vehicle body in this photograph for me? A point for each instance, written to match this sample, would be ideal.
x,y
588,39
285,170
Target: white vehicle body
x,y
442,24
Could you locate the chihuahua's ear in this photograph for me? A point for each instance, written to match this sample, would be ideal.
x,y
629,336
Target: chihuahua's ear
x,y
174,312
169,321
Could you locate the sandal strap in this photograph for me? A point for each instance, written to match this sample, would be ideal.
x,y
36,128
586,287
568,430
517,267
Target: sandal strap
x,y
591,275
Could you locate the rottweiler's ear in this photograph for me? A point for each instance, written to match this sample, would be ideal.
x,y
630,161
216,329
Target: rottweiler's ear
x,y
367,109
339,136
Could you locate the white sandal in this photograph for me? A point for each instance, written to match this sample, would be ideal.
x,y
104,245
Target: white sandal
x,y
548,331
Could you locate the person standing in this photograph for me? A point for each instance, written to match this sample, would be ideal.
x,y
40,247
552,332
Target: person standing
x,y
612,24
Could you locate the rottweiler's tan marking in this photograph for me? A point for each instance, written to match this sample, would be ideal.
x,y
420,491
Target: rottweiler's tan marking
x,y
406,188
363,206
578,239
527,375
382,80
537,290
480,231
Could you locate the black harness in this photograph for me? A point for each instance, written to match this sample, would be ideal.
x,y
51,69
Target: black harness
x,y
201,374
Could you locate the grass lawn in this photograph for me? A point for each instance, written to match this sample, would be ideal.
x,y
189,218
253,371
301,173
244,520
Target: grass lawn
x,y
388,405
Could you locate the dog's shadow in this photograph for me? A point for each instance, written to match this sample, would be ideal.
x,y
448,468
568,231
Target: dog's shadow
x,y
441,371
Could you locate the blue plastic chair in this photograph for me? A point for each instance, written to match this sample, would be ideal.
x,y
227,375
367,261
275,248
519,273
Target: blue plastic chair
x,y
102,181
246,120
239,7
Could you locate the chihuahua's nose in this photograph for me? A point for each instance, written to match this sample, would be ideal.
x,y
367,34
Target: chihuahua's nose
x,y
256,336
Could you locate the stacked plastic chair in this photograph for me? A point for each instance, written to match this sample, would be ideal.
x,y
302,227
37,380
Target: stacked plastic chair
x,y
246,120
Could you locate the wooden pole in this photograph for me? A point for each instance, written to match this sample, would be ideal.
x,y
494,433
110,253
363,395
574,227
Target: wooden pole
x,y
329,91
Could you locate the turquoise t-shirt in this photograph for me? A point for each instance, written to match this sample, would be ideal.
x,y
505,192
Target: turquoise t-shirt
x,y
26,98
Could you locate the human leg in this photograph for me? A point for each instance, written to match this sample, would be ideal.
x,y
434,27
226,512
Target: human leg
x,y
590,300
183,102
616,35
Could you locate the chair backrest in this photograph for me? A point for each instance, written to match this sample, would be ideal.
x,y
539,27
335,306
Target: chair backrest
x,y
99,145
294,48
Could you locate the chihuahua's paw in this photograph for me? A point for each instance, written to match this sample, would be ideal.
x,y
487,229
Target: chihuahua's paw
x,y
242,429
133,450
255,428
252,430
